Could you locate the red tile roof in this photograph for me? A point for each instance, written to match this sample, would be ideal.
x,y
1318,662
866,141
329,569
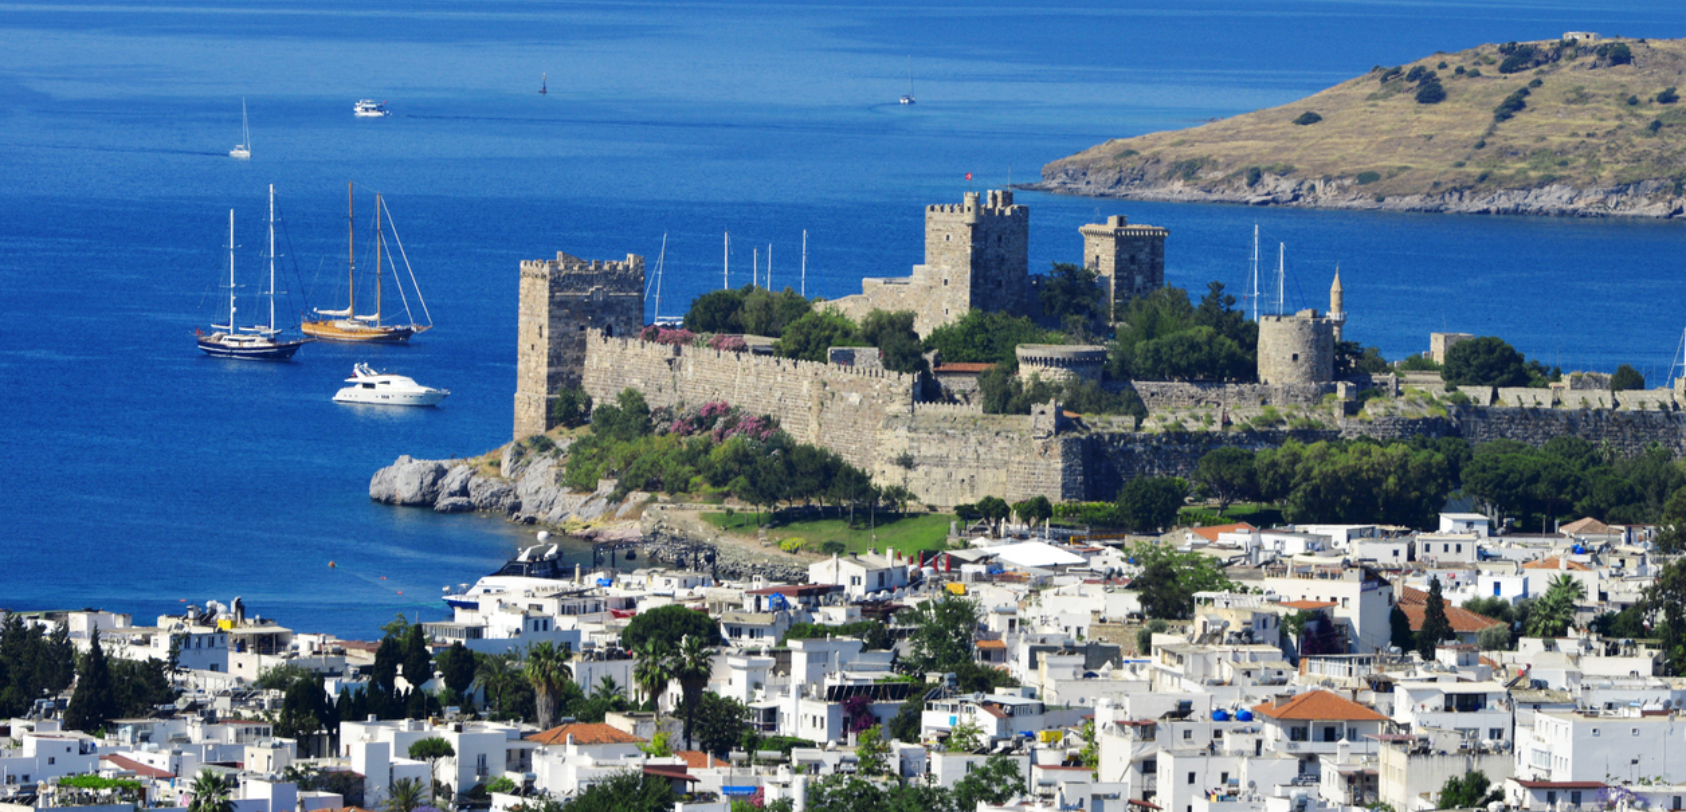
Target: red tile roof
x,y
1308,605
992,644
1551,564
1320,706
694,759
672,772
1587,526
1463,621
585,733
142,770
1211,533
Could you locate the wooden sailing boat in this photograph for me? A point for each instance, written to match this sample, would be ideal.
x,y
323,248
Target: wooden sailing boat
x,y
347,324
256,343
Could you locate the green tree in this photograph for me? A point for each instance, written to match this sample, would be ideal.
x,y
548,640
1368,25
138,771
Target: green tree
x,y
995,782
810,336
986,337
898,345
431,750
1169,578
670,625
1035,510
964,737
571,408
942,633
652,670
1436,628
993,509
1399,630
1485,361
1468,791
622,791
546,669
872,751
457,663
1493,638
1227,474
1665,601
659,746
1148,503
766,313
405,795
720,723
1349,483
1555,611
1072,290
717,311
693,664
209,793
418,658
1626,377
627,419
94,702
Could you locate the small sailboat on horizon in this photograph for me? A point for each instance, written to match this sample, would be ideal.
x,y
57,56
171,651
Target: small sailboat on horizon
x,y
349,325
244,150
544,83
256,343
907,98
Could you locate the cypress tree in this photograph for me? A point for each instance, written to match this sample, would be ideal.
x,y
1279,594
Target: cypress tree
x,y
1435,625
94,702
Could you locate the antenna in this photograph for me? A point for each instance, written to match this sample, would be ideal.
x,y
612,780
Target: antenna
x,y
726,275
660,259
804,263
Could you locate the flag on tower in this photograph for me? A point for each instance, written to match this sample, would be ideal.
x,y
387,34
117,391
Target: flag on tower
x,y
968,176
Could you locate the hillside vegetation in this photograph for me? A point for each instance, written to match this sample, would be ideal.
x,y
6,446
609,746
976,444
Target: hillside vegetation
x,y
1589,128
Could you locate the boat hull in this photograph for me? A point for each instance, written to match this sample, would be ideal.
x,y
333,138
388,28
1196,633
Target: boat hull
x,y
353,394
250,351
359,333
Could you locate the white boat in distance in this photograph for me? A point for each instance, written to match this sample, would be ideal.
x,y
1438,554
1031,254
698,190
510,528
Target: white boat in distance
x,y
381,389
244,151
369,108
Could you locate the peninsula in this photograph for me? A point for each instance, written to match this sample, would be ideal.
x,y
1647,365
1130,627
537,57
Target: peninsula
x,y
1584,125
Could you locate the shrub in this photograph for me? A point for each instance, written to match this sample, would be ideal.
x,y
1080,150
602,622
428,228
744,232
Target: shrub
x,y
1481,143
1431,93
1536,82
1668,96
1442,66
1633,101
1655,125
1616,53
1416,73
1387,75
1473,72
1511,105
571,408
1460,71
1309,117
1521,59
792,545
1367,178
833,547
1254,174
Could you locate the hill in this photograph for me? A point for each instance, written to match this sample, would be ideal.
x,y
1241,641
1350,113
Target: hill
x,y
1592,128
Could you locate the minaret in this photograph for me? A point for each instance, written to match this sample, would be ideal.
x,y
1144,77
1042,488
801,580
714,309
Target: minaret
x,y
1337,313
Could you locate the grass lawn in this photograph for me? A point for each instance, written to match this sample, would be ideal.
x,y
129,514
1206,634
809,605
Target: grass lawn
x,y
909,533
1256,515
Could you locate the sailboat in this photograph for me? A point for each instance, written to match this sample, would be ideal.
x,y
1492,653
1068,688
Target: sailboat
x,y
257,343
907,98
544,83
244,151
347,324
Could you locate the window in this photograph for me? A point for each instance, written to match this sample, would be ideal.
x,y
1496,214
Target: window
x,y
1596,732
1495,733
1635,731
1188,734
1575,797
1223,778
1297,734
50,759
1191,777
1551,796
1460,548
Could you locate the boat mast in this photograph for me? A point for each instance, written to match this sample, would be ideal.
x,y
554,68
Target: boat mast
x,y
804,263
726,275
377,260
231,272
1255,272
272,258
769,267
350,255
661,259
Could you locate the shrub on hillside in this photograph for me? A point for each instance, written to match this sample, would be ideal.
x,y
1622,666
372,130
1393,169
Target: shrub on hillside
x,y
1431,93
1308,117
1668,96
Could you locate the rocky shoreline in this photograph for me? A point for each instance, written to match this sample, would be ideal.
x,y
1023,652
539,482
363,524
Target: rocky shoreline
x,y
1650,199
526,490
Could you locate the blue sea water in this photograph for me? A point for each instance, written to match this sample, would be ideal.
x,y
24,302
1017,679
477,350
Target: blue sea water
x,y
137,474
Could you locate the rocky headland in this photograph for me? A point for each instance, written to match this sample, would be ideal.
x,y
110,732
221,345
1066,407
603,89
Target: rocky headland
x,y
525,488
1583,128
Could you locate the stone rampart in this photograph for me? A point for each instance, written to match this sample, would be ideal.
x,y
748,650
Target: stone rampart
x,y
1647,400
1160,395
1524,397
840,408
1628,433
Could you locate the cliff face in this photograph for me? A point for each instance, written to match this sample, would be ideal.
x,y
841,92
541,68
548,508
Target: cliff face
x,y
1583,129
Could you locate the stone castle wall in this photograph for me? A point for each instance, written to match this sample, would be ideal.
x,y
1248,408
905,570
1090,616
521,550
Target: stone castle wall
x,y
1163,395
1296,349
1129,260
836,407
1627,432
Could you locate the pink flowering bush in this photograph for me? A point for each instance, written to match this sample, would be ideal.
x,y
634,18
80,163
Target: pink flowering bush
x,y
720,421
663,335
728,343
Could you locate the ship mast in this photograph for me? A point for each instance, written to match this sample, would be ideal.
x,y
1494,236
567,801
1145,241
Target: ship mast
x,y
350,255
1255,272
726,275
378,260
660,261
271,259
804,263
231,272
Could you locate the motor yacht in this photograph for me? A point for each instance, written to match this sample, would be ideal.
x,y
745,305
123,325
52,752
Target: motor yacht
x,y
369,108
382,389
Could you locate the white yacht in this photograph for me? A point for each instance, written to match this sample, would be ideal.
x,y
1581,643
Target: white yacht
x,y
369,108
371,387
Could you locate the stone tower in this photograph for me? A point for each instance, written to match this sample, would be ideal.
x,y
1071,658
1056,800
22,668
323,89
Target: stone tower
x,y
982,252
560,300
1296,349
1129,260
1337,308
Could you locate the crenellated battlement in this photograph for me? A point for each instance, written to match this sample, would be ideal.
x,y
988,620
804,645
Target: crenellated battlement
x,y
943,409
791,366
560,298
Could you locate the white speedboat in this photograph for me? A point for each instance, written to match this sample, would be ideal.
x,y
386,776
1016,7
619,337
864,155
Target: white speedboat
x,y
380,389
369,108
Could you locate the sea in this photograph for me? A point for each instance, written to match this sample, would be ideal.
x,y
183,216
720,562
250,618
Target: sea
x,y
137,476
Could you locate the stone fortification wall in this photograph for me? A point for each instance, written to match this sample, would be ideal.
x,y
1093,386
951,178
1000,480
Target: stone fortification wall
x,y
1128,259
1627,432
836,407
1296,349
1058,363
1163,395
559,300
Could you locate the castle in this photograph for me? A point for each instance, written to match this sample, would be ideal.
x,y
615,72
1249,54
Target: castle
x,y
977,255
579,322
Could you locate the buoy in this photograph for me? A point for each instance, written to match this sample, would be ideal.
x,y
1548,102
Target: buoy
x,y
383,577
330,565
400,591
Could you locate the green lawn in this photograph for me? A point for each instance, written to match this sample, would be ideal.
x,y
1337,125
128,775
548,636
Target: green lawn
x,y
909,533
1256,515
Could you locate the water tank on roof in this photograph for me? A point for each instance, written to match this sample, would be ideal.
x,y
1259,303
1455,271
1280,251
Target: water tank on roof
x,y
1220,715
1580,550
1243,716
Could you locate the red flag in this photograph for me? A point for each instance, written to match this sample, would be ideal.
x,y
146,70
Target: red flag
x,y
968,176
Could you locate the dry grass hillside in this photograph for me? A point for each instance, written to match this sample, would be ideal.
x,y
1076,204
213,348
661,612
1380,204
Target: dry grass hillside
x,y
1598,130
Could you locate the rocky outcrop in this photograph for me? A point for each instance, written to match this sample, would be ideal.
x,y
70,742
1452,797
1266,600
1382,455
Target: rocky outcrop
x,y
1652,198
409,482
527,489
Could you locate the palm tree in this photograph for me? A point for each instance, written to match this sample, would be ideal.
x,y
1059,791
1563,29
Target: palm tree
x,y
607,687
692,666
209,793
652,673
1554,613
494,673
406,794
546,667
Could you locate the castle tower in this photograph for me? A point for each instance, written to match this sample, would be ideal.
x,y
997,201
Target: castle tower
x,y
978,255
1296,349
1337,310
560,300
1129,260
